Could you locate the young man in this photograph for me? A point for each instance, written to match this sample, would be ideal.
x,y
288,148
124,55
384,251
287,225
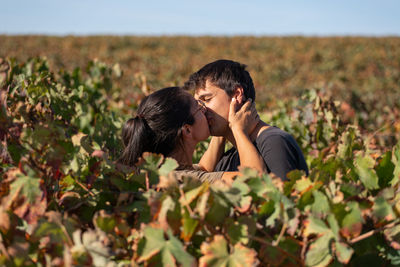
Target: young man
x,y
216,85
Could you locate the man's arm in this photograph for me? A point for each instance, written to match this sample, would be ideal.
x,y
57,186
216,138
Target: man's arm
x,y
213,153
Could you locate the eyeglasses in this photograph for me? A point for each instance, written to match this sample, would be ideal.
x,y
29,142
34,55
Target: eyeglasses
x,y
201,107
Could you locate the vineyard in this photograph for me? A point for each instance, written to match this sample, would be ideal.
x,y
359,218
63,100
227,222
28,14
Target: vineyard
x,y
64,201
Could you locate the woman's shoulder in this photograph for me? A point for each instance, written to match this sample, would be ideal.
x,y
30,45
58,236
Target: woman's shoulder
x,y
196,172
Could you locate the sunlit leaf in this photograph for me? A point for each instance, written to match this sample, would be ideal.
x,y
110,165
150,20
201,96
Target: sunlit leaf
x,y
170,250
382,210
237,232
343,252
27,186
216,254
367,175
189,225
319,253
321,204
169,165
352,222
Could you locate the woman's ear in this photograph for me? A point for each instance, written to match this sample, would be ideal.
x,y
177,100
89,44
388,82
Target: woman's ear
x,y
239,95
186,131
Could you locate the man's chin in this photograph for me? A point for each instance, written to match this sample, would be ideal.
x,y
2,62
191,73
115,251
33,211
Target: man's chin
x,y
218,131
215,134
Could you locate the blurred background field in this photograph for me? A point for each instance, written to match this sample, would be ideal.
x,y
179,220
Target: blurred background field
x,y
361,72
280,66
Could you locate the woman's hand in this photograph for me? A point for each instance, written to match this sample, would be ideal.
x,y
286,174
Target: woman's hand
x,y
245,119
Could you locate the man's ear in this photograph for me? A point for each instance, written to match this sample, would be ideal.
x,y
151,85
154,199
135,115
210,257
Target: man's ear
x,y
239,95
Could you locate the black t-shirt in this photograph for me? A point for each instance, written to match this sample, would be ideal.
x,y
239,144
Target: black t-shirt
x,y
279,150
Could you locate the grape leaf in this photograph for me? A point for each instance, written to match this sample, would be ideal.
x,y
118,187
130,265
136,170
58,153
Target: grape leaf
x,y
385,169
168,250
364,166
382,210
27,186
320,207
216,254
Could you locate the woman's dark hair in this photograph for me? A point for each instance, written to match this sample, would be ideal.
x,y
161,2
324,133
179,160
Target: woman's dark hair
x,y
157,126
226,74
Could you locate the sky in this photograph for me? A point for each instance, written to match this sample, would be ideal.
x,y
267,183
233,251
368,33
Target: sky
x,y
206,17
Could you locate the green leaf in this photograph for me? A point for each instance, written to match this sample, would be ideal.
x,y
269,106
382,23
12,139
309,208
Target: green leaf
x,y
347,142
27,186
334,226
168,166
257,186
382,210
202,206
319,252
152,161
236,193
248,173
105,222
385,169
191,195
343,252
168,251
189,226
315,226
293,177
151,165
219,209
352,221
216,254
320,207
237,232
396,162
392,234
52,230
364,166
168,206
303,184
281,205
350,189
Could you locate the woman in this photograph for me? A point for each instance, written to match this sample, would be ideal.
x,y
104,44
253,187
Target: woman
x,y
171,122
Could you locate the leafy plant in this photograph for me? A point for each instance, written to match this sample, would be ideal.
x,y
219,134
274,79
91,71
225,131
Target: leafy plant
x,y
64,200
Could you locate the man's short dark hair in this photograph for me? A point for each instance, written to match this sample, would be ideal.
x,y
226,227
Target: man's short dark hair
x,y
226,74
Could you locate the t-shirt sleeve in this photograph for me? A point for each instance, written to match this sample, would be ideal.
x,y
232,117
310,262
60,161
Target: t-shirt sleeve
x,y
280,153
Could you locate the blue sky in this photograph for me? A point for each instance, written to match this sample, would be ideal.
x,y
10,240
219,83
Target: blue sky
x,y
206,17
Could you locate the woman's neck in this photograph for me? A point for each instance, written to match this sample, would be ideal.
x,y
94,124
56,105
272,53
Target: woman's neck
x,y
183,154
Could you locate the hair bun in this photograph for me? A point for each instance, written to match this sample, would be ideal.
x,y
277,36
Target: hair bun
x,y
140,117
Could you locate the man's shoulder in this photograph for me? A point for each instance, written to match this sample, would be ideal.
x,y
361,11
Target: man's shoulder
x,y
275,141
273,133
280,151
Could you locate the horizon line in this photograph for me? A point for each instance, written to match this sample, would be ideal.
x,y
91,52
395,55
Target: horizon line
x,y
388,35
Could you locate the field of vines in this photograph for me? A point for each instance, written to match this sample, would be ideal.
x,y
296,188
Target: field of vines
x,y
64,201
